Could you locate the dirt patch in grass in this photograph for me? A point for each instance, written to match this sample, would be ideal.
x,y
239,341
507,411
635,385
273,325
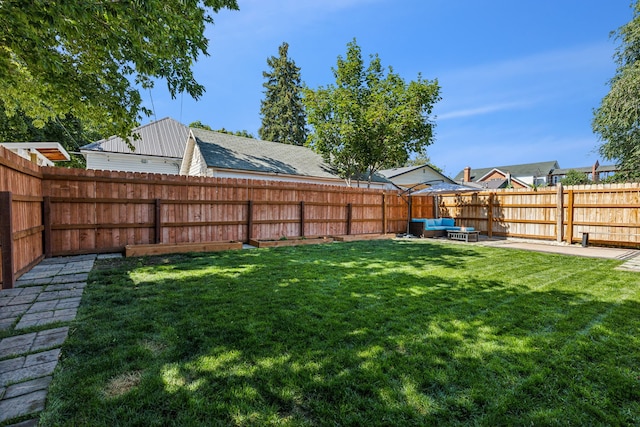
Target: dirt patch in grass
x,y
122,384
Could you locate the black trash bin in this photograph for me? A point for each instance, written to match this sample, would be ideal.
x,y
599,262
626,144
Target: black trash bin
x,y
585,240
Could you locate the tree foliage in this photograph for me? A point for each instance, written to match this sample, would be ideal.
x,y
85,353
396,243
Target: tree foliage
x,y
198,124
370,119
617,120
574,177
85,58
70,132
283,115
422,159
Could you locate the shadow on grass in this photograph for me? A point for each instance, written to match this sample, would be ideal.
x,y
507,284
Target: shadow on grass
x,y
368,333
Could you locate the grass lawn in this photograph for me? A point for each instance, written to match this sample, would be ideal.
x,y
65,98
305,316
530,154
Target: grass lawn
x,y
364,333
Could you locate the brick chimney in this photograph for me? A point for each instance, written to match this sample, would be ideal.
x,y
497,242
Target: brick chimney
x,y
467,174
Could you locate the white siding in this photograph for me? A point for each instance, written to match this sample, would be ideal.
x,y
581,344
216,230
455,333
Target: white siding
x,y
132,163
416,177
198,166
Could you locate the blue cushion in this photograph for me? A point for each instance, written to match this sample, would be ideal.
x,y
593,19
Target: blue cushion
x,y
432,222
448,222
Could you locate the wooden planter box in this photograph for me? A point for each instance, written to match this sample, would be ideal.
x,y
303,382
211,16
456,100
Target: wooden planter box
x,y
167,248
290,241
356,237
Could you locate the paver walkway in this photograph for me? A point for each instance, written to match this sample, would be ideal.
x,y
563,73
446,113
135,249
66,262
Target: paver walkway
x,y
33,317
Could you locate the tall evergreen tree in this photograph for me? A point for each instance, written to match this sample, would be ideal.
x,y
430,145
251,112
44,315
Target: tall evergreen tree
x,y
282,111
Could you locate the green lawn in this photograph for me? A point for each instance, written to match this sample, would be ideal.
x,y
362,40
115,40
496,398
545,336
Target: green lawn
x,y
365,333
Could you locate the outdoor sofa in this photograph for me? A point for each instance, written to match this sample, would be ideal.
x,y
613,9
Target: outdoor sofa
x,y
433,227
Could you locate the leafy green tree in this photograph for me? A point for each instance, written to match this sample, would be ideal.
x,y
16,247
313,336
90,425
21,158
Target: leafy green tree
x,y
617,120
369,120
422,159
68,131
283,115
574,177
85,58
200,125
243,133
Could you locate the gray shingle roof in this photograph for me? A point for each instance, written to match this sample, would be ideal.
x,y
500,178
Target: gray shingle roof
x,y
164,138
390,173
528,169
221,150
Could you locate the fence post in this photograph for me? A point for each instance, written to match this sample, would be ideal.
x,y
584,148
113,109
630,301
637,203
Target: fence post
x,y
570,217
157,236
249,220
384,214
490,215
6,239
302,219
46,222
559,214
349,217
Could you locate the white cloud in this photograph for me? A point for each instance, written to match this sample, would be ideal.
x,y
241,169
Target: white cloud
x,y
483,109
521,83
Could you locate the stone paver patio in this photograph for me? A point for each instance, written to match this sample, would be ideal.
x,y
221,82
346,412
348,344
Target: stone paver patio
x,y
34,315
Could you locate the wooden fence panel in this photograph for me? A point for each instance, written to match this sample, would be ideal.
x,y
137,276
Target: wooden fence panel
x,y
21,182
608,213
100,211
615,221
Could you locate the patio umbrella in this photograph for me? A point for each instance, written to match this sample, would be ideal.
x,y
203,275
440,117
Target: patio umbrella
x,y
443,188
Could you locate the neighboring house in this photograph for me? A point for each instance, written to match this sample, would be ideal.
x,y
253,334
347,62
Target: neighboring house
x,y
159,149
216,154
594,173
40,153
413,176
513,176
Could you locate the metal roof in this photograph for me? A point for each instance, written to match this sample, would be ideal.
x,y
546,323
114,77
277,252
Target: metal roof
x,y
163,138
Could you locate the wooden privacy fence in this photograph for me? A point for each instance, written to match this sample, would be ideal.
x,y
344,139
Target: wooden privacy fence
x,y
20,216
56,211
608,213
101,211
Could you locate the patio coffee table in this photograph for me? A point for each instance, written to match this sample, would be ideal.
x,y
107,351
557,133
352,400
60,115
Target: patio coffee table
x,y
463,235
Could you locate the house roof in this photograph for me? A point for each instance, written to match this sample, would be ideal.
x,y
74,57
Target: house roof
x,y
163,138
394,172
53,151
225,151
528,169
587,169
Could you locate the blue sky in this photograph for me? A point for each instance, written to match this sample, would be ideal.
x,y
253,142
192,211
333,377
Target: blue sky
x,y
519,79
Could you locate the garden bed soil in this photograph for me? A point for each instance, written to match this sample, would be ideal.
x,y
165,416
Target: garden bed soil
x,y
356,237
290,241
